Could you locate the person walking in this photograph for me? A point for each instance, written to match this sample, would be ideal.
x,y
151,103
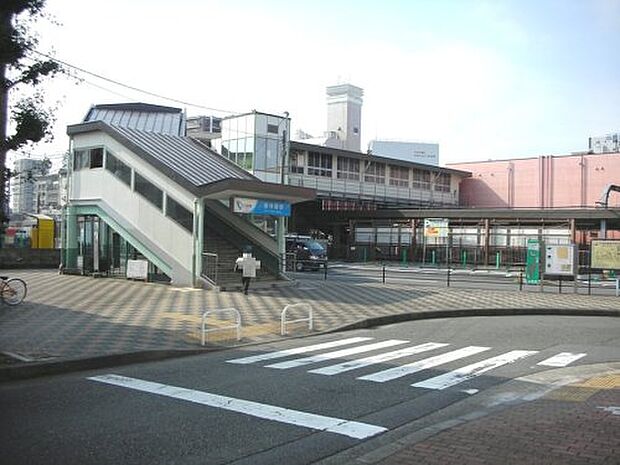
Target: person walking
x,y
248,266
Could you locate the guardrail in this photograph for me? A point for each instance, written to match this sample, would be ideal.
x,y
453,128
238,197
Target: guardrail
x,y
586,282
210,266
236,326
289,307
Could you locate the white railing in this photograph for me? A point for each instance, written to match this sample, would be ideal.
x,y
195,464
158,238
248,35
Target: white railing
x,y
302,305
221,311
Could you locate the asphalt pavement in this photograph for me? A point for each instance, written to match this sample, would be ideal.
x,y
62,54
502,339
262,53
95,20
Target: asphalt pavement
x,y
511,389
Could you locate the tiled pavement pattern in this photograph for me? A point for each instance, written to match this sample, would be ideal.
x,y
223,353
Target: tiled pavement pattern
x,y
549,431
74,317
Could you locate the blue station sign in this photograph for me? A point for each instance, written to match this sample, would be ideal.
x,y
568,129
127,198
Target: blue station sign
x,y
261,206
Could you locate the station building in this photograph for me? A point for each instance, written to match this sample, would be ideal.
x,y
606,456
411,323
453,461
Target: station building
x,y
139,189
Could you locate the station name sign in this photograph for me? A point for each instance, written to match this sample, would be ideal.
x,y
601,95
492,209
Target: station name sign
x,y
261,206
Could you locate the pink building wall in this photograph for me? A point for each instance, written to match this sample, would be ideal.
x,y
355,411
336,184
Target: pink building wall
x,y
542,182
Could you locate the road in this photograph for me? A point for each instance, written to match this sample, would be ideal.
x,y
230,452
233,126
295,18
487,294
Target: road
x,y
295,402
458,277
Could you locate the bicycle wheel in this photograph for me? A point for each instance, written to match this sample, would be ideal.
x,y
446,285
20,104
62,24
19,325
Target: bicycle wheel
x,y
14,291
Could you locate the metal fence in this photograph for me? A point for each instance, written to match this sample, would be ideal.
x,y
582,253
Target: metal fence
x,y
587,282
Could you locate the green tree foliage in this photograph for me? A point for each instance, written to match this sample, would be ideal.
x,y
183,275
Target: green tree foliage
x,y
20,66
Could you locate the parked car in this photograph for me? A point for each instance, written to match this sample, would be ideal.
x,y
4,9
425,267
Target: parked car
x,y
305,253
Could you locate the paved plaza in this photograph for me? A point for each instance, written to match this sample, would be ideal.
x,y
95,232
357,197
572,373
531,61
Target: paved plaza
x,y
71,317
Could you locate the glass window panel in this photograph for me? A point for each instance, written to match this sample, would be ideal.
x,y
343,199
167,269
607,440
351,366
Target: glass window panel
x,y
319,164
149,191
399,176
442,182
179,213
348,168
271,158
96,158
80,160
375,173
118,168
297,162
260,156
421,179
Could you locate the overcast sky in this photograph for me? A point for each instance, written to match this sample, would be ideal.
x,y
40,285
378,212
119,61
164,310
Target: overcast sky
x,y
484,79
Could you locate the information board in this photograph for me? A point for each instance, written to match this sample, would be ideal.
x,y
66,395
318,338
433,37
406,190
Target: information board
x,y
436,227
605,254
561,260
137,269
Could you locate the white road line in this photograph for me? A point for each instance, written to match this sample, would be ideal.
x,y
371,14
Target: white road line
x,y
298,350
352,429
561,360
404,370
337,354
373,360
472,371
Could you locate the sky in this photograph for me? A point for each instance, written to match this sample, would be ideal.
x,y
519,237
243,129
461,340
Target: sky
x,y
486,79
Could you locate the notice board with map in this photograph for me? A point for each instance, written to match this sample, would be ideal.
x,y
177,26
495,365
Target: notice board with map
x,y
605,254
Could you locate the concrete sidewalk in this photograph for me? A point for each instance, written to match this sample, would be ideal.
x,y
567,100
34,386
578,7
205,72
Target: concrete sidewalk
x,y
72,317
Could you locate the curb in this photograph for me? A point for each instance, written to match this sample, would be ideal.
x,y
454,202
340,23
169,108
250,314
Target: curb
x,y
432,314
21,372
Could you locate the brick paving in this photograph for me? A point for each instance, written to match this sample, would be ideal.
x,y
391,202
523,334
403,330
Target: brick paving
x,y
67,317
545,432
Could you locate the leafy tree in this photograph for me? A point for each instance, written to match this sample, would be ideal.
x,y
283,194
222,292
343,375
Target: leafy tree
x,y
19,68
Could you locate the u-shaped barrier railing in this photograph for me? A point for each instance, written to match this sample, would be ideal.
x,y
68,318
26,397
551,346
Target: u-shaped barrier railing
x,y
224,311
301,305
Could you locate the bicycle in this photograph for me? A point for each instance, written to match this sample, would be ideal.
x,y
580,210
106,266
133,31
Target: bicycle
x,y
12,291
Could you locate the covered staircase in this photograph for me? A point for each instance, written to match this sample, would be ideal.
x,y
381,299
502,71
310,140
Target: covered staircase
x,y
225,236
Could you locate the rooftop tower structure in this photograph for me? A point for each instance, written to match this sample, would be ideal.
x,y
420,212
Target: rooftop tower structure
x,y
344,114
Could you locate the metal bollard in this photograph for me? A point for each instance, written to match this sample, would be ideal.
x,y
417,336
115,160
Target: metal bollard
x,y
448,278
325,271
521,280
383,274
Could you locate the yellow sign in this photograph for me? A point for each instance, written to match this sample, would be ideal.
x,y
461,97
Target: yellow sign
x,y
605,254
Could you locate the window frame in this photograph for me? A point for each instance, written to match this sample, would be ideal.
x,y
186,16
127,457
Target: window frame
x,y
296,162
421,179
399,181
374,173
324,167
344,170
444,185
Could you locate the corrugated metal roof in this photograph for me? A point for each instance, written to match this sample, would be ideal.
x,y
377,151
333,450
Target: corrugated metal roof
x,y
192,164
184,156
142,116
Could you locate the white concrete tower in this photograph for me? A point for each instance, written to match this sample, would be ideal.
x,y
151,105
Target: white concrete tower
x,y
344,114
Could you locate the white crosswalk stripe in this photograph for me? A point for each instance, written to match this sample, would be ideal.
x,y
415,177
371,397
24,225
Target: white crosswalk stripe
x,y
298,350
561,360
460,375
375,359
440,382
337,354
404,370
